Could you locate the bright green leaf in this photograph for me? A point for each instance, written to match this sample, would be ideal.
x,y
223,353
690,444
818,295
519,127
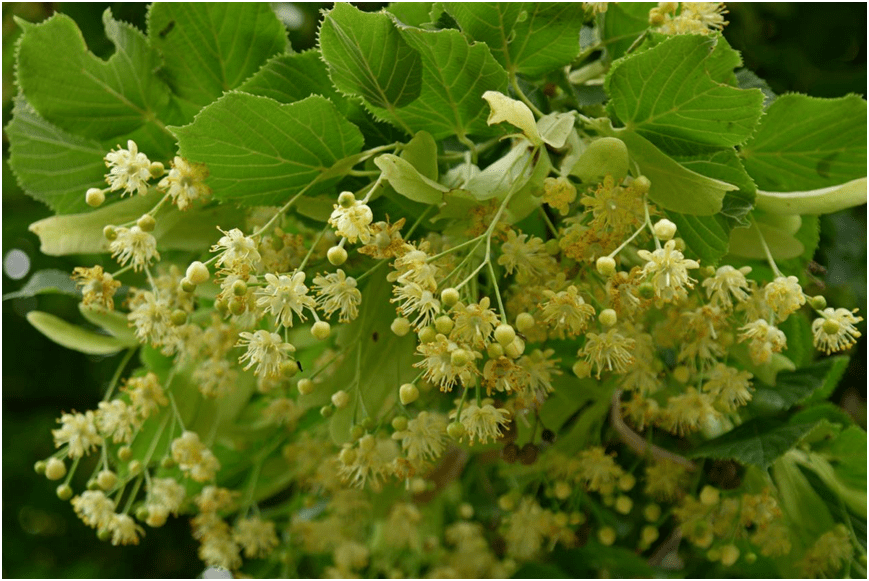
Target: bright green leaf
x,y
623,23
368,57
759,441
53,166
411,13
455,76
746,242
106,100
668,94
260,152
288,78
811,383
707,237
525,37
805,143
211,47
422,153
674,187
114,322
74,337
48,281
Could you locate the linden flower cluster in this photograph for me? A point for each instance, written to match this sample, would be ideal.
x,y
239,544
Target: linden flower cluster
x,y
448,385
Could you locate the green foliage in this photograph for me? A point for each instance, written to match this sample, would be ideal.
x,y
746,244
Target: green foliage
x,y
759,441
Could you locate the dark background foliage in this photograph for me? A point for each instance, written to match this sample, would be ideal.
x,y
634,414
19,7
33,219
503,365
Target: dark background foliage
x,y
813,48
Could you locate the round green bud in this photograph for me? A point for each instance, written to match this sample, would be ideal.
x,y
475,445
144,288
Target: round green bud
x,y
459,357
400,326
456,430
649,535
348,455
524,322
237,307
135,467
39,467
608,317
427,335
680,244
92,485
326,411
750,558
189,287
515,349
466,511
156,169
606,536
444,324
708,271
652,512
624,504
582,369
642,185
729,555
504,334
340,399
142,513
107,479
606,265
125,454
167,463
818,302
356,432
552,247
346,199
664,229
104,535
178,317
399,423
336,256
627,482
321,330
646,290
146,223
197,272
305,386
239,288
221,305
408,393
709,495
368,423
289,368
95,197
55,469
277,243
110,233
494,350
449,297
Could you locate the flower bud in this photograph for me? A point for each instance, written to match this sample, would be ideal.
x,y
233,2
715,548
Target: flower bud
x,y
641,185
237,307
340,399
818,302
646,290
494,350
456,430
515,349
321,330
606,536
399,423
135,467
444,324
627,482
146,223
104,534
449,297
348,455
167,463
606,265
107,479
652,512
39,467
326,411
459,357
608,317
125,453
504,334
356,432
156,169
189,287
729,555
178,317
305,386
110,233
664,229
582,369
95,197
624,504
337,256
427,335
400,326
408,393
239,288
55,469
346,199
649,535
197,272
709,495
466,511
64,492
524,322
290,368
